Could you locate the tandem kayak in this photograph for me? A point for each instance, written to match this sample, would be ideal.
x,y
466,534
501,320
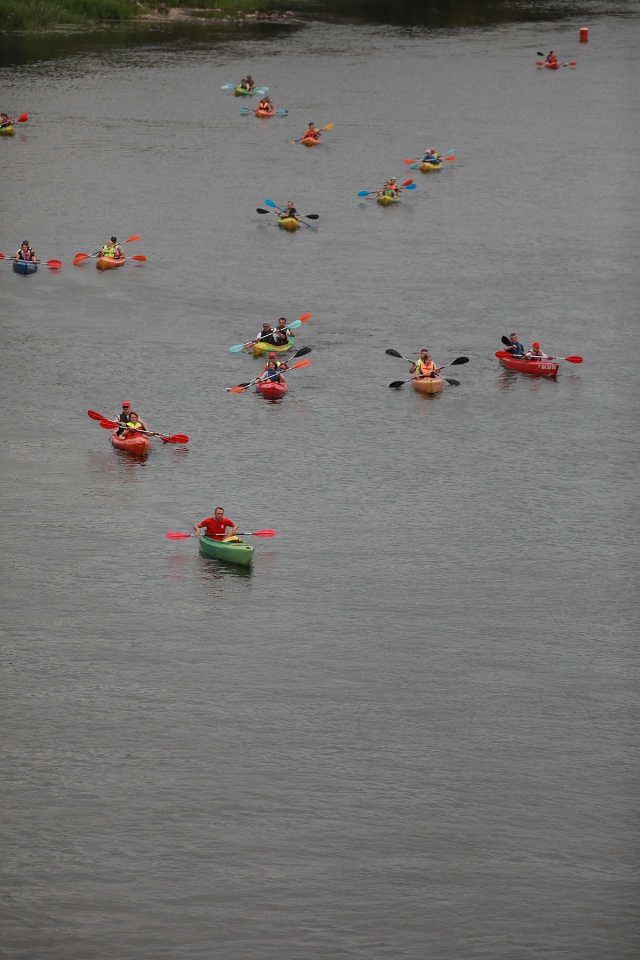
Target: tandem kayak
x,y
262,347
310,141
7,131
288,223
428,385
386,200
233,550
25,267
271,390
537,368
264,113
139,445
108,263
241,92
427,167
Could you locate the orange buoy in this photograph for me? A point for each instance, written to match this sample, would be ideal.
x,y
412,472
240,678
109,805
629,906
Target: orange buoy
x,y
584,34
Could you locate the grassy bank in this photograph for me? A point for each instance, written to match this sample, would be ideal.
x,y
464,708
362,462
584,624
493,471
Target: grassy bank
x,y
43,14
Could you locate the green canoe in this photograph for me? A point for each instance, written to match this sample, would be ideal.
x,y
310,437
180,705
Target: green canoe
x,y
233,551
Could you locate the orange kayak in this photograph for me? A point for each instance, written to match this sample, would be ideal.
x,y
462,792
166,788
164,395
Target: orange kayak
x,y
108,263
139,445
310,141
428,385
265,113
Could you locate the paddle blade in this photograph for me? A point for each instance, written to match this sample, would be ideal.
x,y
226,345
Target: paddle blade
x,y
394,353
226,86
458,361
54,264
301,363
506,341
259,210
407,183
108,424
178,438
365,193
79,258
305,317
411,161
237,347
23,118
174,535
95,416
312,216
239,389
2,256
397,384
139,257
500,354
412,186
450,158
136,236
454,383
270,203
259,533
302,351
329,126
574,359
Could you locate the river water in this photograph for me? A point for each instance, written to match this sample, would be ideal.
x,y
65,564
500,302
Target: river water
x,y
408,731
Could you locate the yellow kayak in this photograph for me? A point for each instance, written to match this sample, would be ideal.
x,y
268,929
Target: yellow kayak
x,y
261,347
428,385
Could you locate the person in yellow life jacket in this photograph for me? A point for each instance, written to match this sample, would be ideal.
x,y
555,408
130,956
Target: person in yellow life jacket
x,y
113,249
273,358
424,367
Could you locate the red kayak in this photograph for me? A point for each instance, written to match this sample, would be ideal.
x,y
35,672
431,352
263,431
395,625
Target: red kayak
x,y
271,390
552,66
139,445
538,368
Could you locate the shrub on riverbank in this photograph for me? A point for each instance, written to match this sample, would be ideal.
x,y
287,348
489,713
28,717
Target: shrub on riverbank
x,y
40,14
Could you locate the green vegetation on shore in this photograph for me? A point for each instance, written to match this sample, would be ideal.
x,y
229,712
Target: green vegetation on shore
x,y
40,14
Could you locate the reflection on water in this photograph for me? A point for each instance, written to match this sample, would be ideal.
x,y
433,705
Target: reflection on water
x,y
219,570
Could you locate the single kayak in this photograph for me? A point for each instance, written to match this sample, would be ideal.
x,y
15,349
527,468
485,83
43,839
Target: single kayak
x,y
552,66
233,550
264,113
241,92
7,131
538,368
288,223
386,200
139,445
25,267
310,141
108,263
271,390
427,167
261,347
428,385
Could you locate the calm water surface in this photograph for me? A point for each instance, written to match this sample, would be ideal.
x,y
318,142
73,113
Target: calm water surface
x,y
407,733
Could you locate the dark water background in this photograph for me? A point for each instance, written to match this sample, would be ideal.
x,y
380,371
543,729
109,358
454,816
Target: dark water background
x,y
409,731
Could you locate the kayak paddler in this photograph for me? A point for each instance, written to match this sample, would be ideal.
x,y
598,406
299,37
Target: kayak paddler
x,y
266,335
125,416
216,527
536,353
282,333
424,367
272,374
515,349
25,252
290,211
551,58
273,358
311,132
113,249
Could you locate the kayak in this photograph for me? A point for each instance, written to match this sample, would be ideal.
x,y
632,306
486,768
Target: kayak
x,y
262,347
428,385
310,141
233,550
385,200
108,263
538,368
288,223
265,113
7,131
271,390
25,267
241,92
552,66
427,167
139,445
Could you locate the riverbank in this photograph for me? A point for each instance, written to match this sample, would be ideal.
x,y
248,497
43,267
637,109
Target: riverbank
x,y
43,14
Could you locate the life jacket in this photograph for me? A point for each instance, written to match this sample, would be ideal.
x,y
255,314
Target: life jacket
x,y
108,251
536,352
271,376
25,256
425,369
134,426
517,350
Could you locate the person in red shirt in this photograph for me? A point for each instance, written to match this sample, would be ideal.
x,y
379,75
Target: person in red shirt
x,y
216,526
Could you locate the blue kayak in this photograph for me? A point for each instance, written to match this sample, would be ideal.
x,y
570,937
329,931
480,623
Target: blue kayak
x,y
25,267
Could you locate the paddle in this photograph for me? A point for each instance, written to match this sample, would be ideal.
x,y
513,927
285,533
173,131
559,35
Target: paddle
x,y
243,386
447,155
309,216
54,264
246,110
454,363
21,119
399,383
79,257
174,535
569,63
175,438
315,216
505,355
329,126
409,184
237,347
